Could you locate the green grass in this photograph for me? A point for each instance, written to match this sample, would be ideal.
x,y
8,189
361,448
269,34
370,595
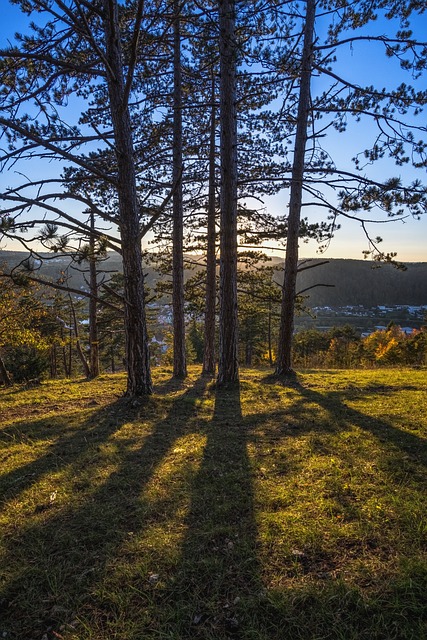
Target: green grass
x,y
260,512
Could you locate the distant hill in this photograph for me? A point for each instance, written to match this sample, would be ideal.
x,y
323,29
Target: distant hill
x,y
52,267
355,282
361,282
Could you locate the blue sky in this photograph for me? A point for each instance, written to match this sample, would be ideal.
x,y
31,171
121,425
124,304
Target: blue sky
x,y
368,65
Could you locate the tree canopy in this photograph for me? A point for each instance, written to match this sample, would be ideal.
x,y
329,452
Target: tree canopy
x,y
126,120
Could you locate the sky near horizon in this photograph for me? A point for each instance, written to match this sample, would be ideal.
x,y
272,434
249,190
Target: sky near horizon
x,y
407,237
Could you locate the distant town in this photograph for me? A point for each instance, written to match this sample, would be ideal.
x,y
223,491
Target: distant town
x,y
366,320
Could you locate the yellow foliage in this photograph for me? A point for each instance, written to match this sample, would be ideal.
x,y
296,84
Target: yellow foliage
x,y
265,357
385,346
385,349
21,313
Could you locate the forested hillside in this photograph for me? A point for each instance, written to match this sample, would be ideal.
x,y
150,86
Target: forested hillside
x,y
354,282
363,282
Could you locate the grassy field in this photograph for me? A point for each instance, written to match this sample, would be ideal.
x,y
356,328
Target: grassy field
x,y
262,512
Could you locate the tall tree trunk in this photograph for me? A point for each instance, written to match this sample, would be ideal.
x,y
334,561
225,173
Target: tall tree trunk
x,y
79,349
228,368
53,362
93,320
248,353
179,357
137,351
64,355
270,350
210,301
112,357
284,357
4,374
70,348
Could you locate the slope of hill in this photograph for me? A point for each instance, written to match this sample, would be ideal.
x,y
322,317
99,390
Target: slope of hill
x,y
53,267
354,282
360,282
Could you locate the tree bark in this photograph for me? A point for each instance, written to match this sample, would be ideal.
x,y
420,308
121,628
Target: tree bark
x,y
228,368
53,362
93,320
79,349
248,353
4,374
210,300
270,350
113,360
137,351
284,357
70,349
179,356
65,358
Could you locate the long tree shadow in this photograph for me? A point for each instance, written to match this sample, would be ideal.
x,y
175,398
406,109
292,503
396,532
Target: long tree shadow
x,y
334,403
218,573
53,563
170,385
62,438
220,577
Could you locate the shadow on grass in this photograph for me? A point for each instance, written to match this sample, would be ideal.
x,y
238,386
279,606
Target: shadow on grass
x,y
334,402
54,562
170,385
64,436
218,570
217,590
343,416
114,557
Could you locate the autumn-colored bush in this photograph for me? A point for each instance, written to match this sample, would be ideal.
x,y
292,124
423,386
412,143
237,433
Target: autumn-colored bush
x,y
342,347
